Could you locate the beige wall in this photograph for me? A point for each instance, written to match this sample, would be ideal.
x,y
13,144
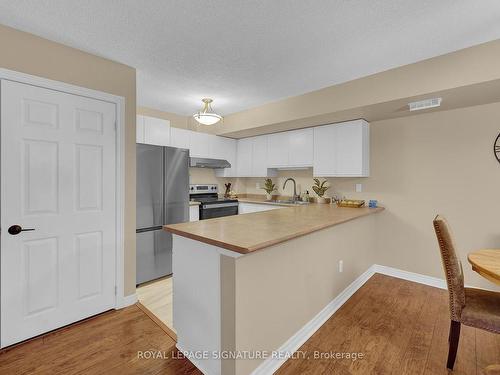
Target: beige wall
x,y
176,120
423,165
280,289
378,96
429,164
420,165
29,54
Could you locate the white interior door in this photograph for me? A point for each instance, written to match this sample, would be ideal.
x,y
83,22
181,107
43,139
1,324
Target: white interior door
x,y
58,178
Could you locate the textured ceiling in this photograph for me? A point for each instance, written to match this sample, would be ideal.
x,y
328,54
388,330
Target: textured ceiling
x,y
247,53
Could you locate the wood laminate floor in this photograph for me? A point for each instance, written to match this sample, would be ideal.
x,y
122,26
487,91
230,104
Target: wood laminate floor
x,y
399,326
117,342
156,296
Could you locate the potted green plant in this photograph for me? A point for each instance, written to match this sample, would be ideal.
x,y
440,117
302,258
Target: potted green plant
x,y
320,189
269,187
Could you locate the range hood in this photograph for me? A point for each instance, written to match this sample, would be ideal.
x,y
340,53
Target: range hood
x,y
209,163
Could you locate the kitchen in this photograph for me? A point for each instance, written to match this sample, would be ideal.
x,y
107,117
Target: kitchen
x,y
221,160
349,180
234,189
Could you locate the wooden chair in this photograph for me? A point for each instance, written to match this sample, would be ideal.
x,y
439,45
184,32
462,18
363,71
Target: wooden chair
x,y
473,307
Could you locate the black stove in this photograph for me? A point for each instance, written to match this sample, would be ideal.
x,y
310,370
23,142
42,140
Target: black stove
x,y
212,205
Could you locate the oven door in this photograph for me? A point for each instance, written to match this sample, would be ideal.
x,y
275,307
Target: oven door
x,y
210,211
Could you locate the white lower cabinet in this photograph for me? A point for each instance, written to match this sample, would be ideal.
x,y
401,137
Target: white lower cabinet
x,y
247,208
194,213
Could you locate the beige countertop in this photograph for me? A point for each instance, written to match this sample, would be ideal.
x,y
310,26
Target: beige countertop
x,y
254,231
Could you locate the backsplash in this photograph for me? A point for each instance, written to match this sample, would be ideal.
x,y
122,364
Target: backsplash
x,y
304,178
204,176
207,176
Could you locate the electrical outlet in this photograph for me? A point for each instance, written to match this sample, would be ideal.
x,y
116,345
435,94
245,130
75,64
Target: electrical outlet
x,y
341,266
359,188
257,185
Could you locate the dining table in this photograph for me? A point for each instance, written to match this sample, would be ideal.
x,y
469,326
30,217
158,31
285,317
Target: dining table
x,y
486,263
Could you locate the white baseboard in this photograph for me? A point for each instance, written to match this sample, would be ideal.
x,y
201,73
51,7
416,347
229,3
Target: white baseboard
x,y
197,363
270,365
125,301
410,276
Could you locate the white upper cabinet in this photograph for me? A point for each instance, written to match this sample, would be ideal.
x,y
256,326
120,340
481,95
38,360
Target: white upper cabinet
x,y
324,153
199,144
259,156
252,158
224,148
139,132
156,131
336,150
342,150
278,149
291,149
353,149
179,138
244,157
301,148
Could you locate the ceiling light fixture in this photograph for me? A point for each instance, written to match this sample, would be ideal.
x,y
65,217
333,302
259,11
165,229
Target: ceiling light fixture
x,y
207,116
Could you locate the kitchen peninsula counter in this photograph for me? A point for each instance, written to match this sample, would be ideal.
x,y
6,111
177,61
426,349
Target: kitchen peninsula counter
x,y
254,231
259,281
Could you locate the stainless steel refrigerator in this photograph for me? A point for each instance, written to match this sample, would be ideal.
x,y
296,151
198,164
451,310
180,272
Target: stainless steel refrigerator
x,y
162,198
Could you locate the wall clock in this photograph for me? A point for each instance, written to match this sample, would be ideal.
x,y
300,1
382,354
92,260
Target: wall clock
x,y
496,148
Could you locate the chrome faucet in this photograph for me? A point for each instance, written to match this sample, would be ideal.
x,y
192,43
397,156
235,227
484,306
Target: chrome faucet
x,y
295,197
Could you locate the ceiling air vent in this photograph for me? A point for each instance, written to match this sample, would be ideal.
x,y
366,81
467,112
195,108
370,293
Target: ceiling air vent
x,y
424,104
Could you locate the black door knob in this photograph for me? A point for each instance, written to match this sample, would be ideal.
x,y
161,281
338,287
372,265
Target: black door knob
x,y
16,229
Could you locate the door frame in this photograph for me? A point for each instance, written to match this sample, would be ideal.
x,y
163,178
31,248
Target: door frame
x,y
5,74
